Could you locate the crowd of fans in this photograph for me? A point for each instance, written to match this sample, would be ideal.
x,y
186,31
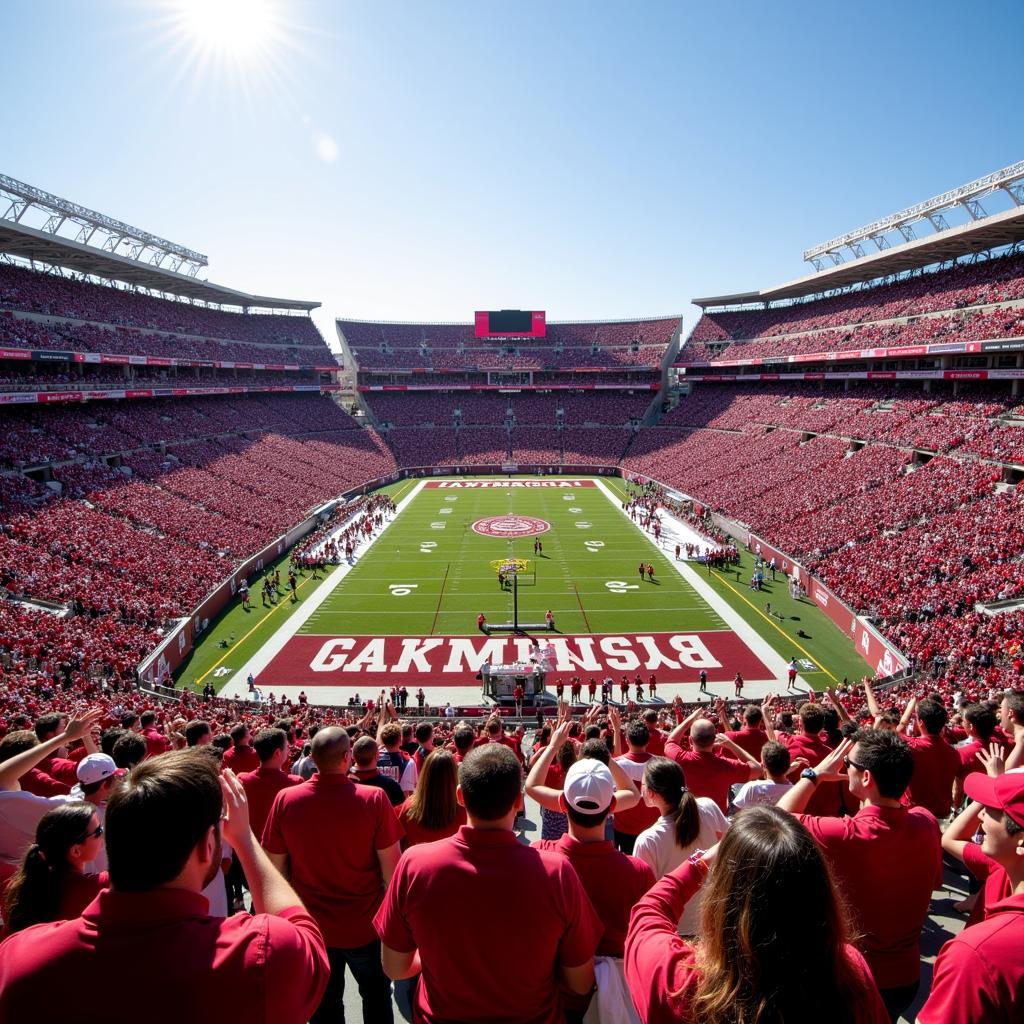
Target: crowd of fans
x,y
966,285
724,864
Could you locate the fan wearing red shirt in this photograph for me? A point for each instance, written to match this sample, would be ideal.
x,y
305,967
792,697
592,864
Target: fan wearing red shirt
x,y
707,773
774,942
613,881
240,757
979,975
752,737
262,786
886,858
156,741
656,738
339,844
808,743
465,978
981,722
936,763
163,832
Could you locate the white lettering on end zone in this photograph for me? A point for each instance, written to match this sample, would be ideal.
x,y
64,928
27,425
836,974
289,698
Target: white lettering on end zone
x,y
485,484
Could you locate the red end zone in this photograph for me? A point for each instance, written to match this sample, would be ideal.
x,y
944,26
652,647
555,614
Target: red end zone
x,y
466,485
365,661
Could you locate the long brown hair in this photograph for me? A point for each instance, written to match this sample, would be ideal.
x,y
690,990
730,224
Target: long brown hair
x,y
665,778
34,891
773,929
433,805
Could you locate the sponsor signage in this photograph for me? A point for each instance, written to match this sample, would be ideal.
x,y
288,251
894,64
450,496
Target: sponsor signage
x,y
46,356
361,662
15,353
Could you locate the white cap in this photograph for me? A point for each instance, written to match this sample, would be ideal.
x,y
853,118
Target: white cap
x,y
95,768
589,786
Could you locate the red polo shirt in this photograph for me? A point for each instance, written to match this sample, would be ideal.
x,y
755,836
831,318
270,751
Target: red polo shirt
x,y
707,774
612,880
998,886
828,797
261,787
463,977
156,742
979,975
168,956
751,740
887,861
63,769
40,784
241,759
936,764
331,830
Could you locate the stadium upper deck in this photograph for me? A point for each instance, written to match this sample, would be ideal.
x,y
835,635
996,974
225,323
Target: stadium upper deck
x,y
639,344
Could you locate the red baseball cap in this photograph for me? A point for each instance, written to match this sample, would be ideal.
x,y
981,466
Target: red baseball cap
x,y
1005,792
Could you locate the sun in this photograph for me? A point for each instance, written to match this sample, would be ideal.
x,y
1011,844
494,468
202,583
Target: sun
x,y
240,29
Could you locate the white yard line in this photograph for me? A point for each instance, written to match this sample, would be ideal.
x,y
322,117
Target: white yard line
x,y
774,662
238,687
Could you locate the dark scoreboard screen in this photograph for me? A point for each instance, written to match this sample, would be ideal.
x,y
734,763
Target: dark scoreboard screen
x,y
510,323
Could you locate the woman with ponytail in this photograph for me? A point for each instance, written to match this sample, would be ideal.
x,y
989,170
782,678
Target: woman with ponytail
x,y
51,884
774,944
687,823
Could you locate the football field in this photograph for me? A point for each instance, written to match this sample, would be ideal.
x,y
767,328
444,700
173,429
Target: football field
x,y
405,611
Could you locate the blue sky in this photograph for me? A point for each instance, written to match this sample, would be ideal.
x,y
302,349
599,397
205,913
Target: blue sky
x,y
422,160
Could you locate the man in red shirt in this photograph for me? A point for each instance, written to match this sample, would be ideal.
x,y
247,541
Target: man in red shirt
x,y
707,773
156,741
612,880
263,785
979,975
752,737
808,743
163,833
339,843
886,858
936,763
241,757
656,738
462,977
980,722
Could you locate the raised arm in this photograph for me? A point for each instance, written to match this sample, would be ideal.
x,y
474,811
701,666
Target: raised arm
x,y
798,796
626,793
869,696
908,713
679,735
744,756
547,796
834,700
766,716
12,769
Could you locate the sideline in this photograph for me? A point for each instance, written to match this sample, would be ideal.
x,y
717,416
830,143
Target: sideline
x,y
773,661
237,686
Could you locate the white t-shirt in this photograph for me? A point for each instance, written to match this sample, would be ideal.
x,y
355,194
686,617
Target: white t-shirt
x,y
760,793
20,813
656,846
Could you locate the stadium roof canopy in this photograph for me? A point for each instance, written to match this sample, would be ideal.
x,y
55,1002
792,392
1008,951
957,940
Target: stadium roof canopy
x,y
983,232
102,247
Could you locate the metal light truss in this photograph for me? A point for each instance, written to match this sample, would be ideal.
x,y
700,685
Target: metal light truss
x,y
96,229
1009,180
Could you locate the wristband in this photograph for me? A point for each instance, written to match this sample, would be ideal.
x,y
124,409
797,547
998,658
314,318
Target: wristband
x,y
810,775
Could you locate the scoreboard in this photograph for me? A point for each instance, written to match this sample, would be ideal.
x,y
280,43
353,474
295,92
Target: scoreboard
x,y
510,323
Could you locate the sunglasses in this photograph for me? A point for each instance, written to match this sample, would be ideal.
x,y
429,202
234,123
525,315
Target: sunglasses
x,y
848,761
94,834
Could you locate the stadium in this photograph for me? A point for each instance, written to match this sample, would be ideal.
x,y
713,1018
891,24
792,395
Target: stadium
x,y
793,521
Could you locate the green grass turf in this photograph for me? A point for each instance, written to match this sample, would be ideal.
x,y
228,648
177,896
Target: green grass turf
x,y
454,582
